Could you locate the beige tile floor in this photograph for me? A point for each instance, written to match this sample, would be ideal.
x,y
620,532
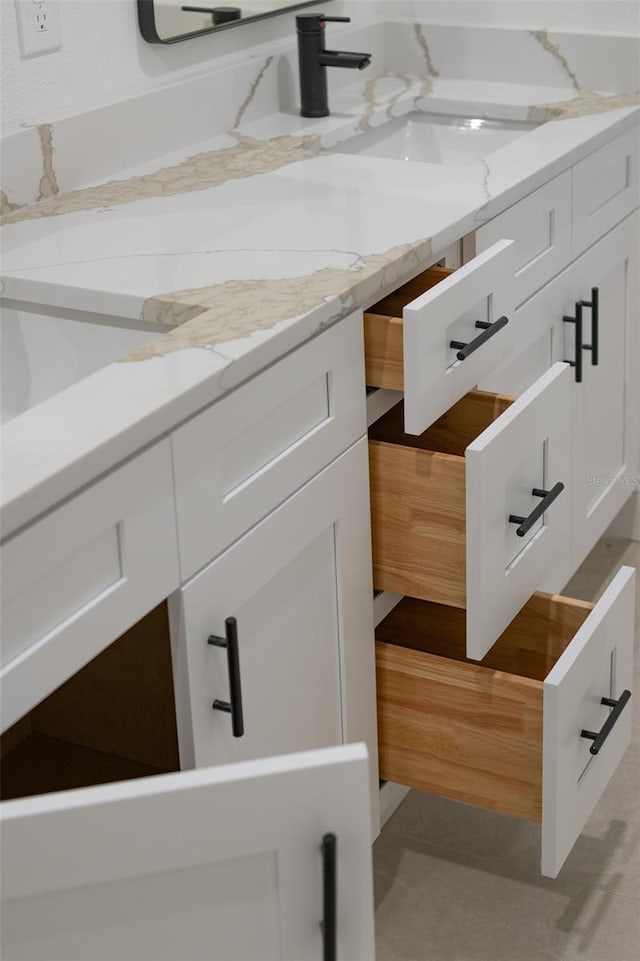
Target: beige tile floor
x,y
454,883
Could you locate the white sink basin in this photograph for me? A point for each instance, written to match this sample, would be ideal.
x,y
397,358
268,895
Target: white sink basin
x,y
431,138
41,355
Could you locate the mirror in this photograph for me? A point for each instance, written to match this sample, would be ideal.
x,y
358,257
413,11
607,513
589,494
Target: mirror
x,y
167,21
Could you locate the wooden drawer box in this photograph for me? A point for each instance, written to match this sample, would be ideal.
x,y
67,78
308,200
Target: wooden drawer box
x,y
441,503
408,335
505,734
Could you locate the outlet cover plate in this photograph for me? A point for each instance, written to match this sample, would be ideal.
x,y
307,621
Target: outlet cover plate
x,y
39,26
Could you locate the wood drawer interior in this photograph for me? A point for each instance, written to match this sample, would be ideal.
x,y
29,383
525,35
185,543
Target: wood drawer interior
x,y
112,721
467,730
418,499
383,337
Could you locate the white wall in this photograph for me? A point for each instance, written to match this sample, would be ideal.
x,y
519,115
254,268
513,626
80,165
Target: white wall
x,y
104,59
593,16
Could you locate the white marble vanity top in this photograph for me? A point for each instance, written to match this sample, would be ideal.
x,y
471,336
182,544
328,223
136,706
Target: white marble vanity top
x,y
245,245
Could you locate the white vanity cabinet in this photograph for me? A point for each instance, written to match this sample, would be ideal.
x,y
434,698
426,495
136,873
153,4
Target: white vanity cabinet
x,y
453,675
254,517
230,859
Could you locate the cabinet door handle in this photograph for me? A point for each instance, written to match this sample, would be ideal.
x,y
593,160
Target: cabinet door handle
x,y
548,497
577,362
234,705
329,898
594,346
488,331
601,736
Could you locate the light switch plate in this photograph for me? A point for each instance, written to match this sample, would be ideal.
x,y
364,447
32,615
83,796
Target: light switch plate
x,y
39,26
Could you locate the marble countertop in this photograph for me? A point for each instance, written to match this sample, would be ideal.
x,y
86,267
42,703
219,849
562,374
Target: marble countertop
x,y
251,243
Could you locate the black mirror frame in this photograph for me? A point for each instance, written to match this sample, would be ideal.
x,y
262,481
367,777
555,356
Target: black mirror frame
x,y
148,29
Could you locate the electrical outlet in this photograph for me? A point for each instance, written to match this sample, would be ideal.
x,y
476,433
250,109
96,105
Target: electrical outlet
x,y
38,26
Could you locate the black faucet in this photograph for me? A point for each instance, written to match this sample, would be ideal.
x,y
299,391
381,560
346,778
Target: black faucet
x,y
314,60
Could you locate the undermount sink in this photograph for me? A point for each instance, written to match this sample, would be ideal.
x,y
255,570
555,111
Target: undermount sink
x,y
42,355
431,138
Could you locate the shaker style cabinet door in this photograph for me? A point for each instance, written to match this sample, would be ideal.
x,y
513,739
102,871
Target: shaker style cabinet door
x,y
301,672
605,398
257,861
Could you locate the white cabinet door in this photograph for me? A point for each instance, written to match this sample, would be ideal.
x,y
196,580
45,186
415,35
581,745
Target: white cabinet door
x,y
299,586
606,404
221,863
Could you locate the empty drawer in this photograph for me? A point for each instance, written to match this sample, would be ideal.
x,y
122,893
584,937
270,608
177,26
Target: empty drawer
x,y
443,504
437,336
513,733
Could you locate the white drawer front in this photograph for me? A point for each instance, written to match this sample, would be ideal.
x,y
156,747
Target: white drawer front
x,y
526,448
434,379
540,226
75,580
598,663
606,187
245,455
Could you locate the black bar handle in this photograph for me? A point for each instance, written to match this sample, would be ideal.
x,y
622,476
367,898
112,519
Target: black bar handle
x,y
488,331
548,497
577,320
234,705
329,922
601,736
594,346
335,19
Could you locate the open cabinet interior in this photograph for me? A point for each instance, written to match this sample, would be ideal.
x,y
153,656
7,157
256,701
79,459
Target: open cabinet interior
x,y
112,721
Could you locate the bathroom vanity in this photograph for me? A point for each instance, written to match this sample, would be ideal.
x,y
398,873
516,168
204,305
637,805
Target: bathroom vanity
x,y
421,385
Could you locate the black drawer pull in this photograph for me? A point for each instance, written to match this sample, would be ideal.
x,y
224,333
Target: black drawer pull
x,y
601,736
488,331
548,497
234,705
329,922
594,346
579,347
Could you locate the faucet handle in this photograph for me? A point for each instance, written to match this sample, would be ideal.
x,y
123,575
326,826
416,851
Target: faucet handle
x,y
315,22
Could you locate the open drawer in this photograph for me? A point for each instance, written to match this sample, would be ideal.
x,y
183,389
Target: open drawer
x,y
511,733
458,515
435,337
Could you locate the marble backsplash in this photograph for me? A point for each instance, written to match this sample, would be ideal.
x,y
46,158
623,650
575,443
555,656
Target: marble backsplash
x,y
201,115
